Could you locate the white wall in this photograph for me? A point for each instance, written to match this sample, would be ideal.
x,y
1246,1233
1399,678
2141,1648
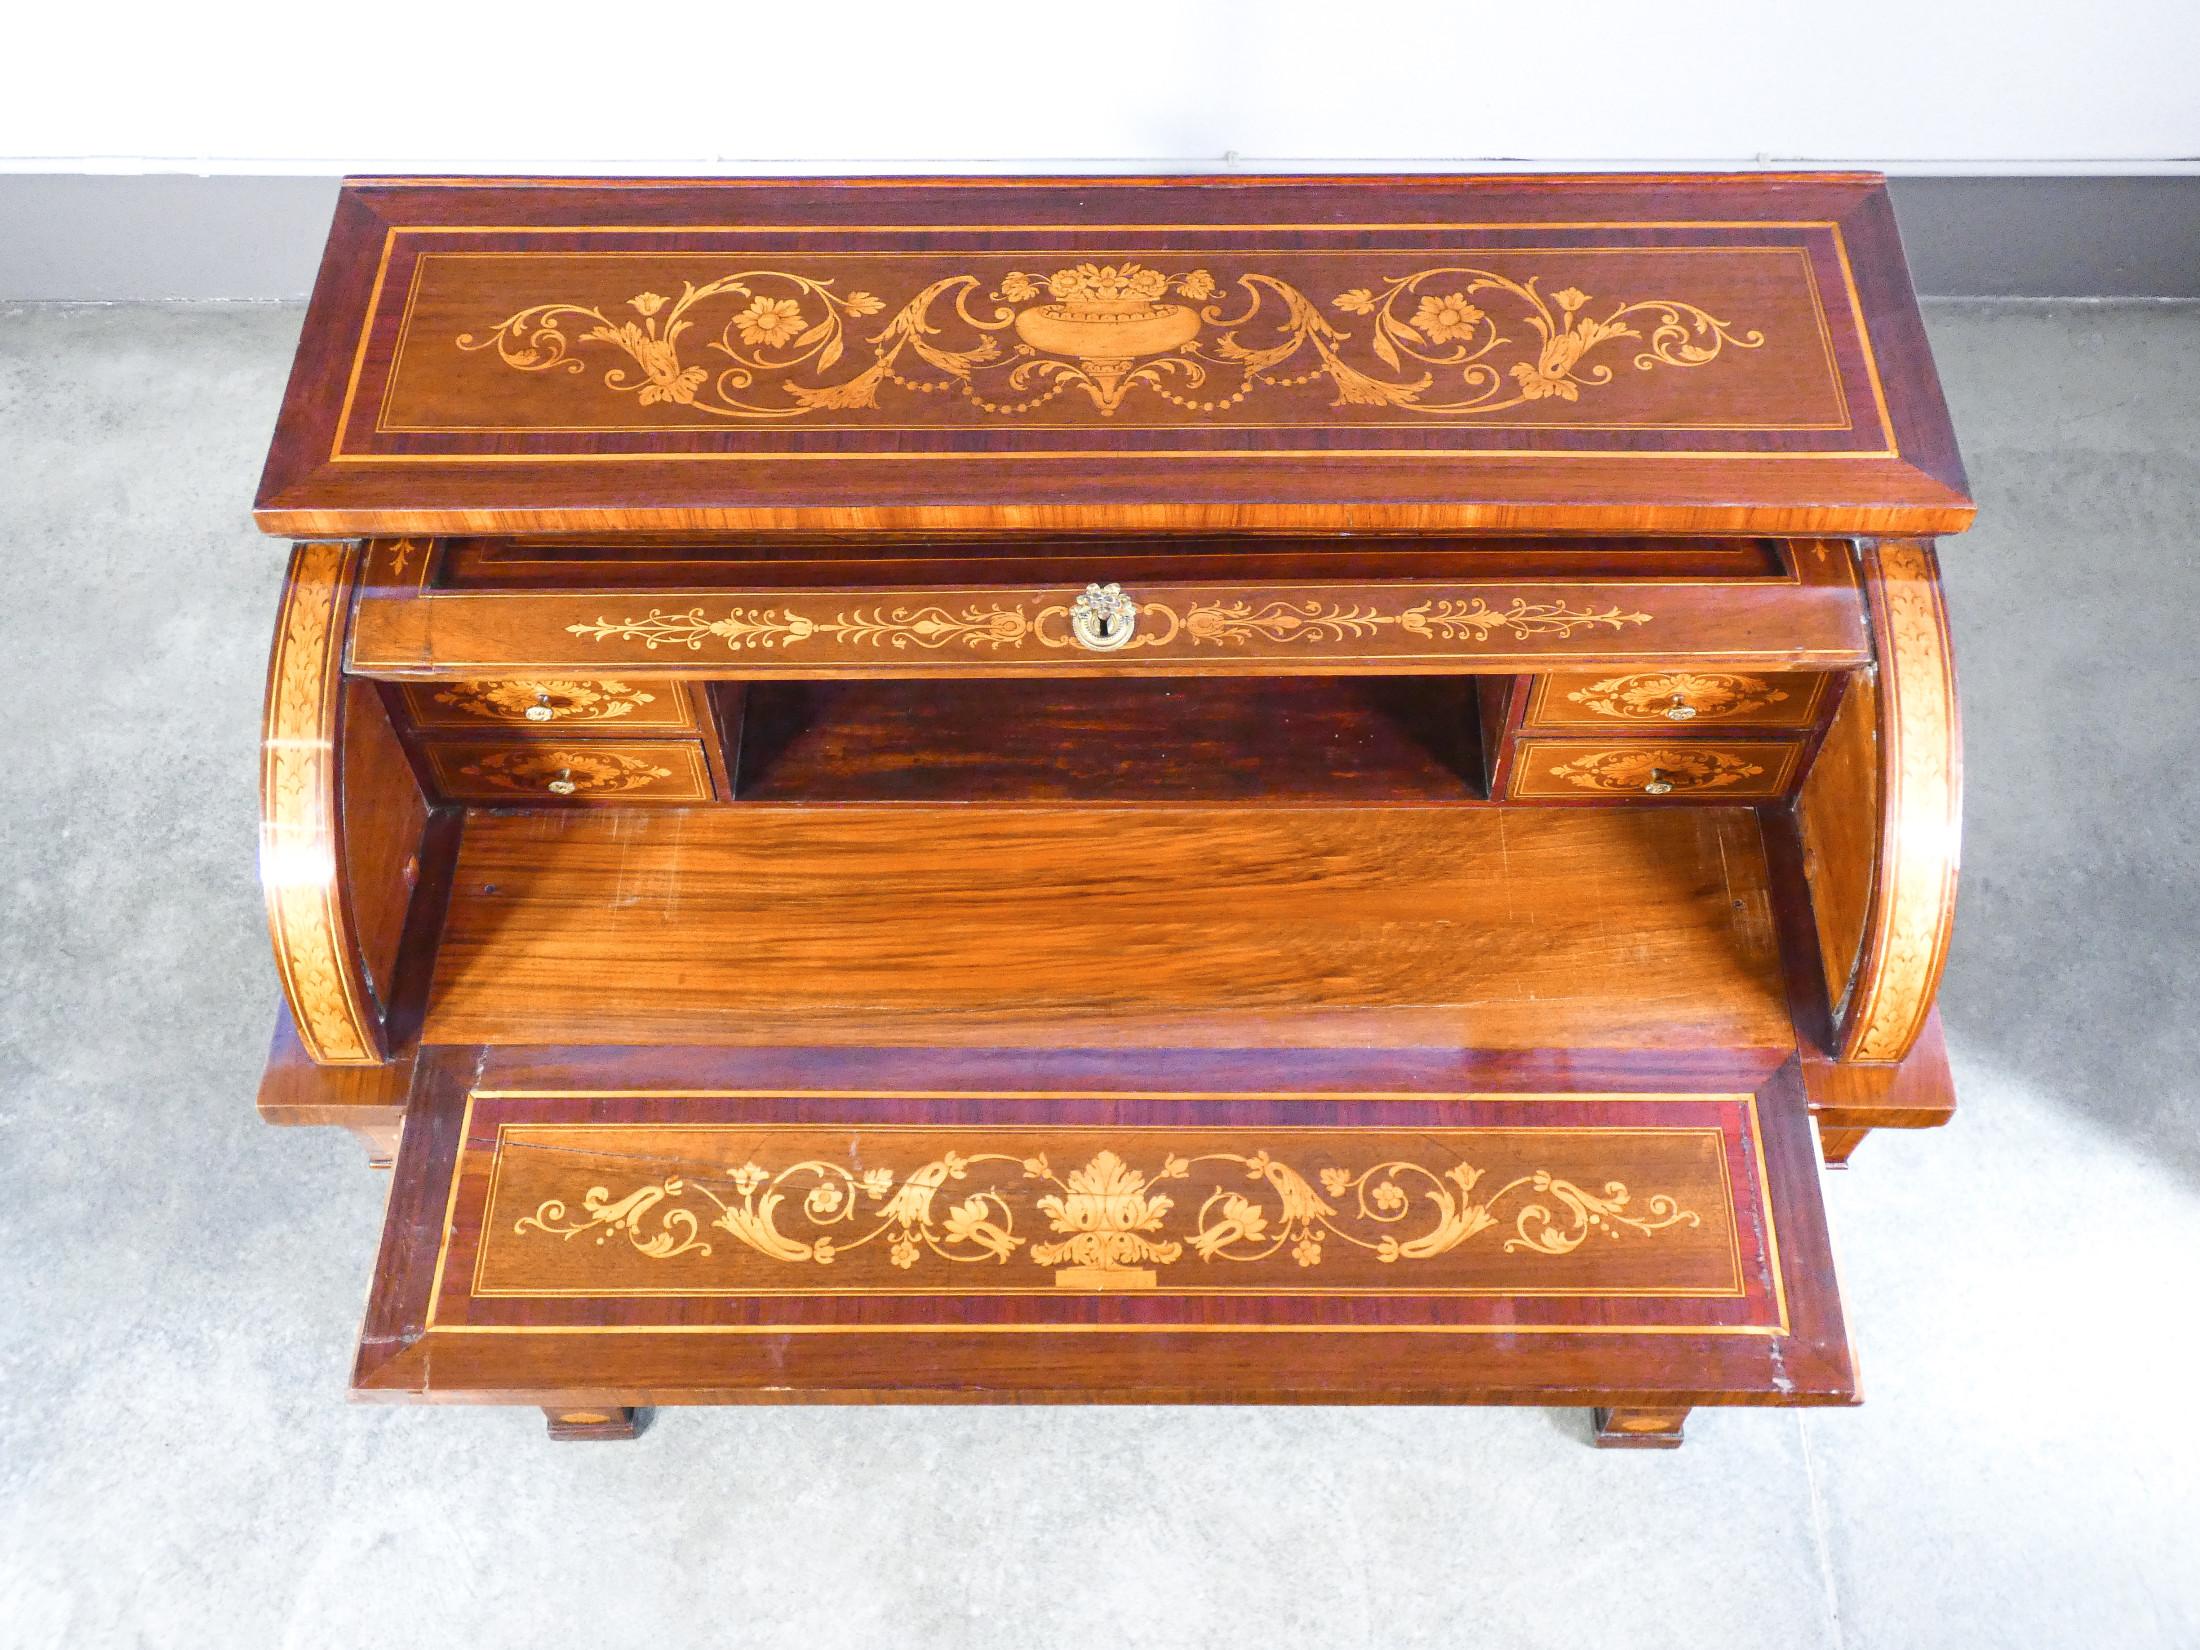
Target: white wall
x,y
1933,85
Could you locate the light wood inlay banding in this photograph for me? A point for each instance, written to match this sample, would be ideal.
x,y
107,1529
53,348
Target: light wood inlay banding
x,y
1921,802
308,913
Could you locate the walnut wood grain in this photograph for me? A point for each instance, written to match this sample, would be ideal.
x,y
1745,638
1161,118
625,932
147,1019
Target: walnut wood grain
x,y
1921,808
1513,928
1756,363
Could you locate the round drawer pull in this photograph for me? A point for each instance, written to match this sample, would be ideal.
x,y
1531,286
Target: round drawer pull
x,y
1681,711
1103,618
563,785
1658,784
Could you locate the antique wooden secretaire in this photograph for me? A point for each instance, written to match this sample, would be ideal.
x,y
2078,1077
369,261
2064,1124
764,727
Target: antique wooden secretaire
x,y
1248,789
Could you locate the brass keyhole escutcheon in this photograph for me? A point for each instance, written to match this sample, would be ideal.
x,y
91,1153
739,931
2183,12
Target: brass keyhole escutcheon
x,y
1103,618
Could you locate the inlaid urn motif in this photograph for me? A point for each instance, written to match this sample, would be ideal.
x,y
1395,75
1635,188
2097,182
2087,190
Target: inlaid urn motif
x,y
1109,316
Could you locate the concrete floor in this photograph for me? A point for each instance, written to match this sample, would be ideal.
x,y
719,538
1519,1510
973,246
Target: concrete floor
x,y
180,1286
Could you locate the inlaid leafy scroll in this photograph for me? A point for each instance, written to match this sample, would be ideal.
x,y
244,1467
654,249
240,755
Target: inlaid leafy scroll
x,y
1451,340
1110,1225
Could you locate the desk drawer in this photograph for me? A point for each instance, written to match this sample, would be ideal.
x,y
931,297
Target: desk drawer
x,y
1677,698
552,706
1584,770
531,772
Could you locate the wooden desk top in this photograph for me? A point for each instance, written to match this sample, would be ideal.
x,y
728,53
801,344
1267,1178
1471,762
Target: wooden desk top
x,y
1556,354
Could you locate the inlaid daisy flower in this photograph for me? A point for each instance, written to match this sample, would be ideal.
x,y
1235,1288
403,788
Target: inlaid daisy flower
x,y
771,321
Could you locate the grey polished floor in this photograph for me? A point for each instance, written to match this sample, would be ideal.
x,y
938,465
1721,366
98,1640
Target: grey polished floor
x,y
179,1286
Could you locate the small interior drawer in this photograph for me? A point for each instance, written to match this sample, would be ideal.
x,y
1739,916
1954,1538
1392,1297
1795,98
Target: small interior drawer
x,y
531,772
552,707
1649,770
1676,699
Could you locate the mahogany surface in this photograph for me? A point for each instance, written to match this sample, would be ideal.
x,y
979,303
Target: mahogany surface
x,y
1111,790
1630,354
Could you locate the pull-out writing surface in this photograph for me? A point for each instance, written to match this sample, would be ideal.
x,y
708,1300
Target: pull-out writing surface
x,y
1167,1227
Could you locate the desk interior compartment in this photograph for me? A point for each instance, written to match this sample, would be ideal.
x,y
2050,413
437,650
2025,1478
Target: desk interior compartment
x,y
1134,739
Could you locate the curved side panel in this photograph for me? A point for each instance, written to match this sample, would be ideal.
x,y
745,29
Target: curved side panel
x,y
308,914
1921,802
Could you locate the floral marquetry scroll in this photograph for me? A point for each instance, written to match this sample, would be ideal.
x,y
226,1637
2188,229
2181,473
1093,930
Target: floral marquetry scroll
x,y
1007,626
584,772
1656,770
601,700
1104,1220
1444,341
1678,696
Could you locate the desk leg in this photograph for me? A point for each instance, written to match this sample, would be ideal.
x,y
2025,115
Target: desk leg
x,y
605,1421
1840,1144
1640,1428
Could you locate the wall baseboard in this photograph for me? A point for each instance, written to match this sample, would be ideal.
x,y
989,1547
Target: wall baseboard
x,y
96,238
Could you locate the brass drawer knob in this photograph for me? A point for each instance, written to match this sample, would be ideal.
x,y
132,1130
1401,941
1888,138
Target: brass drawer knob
x,y
1658,784
563,785
1103,618
540,710
1680,711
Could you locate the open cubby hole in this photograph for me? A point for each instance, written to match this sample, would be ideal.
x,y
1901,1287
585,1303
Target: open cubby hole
x,y
1128,739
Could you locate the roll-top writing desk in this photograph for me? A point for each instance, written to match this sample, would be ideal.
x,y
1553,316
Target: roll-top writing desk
x,y
1248,789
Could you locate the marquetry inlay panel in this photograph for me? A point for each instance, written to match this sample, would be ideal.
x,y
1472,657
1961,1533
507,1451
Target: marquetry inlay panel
x,y
1096,1220
1678,771
555,772
1372,623
1675,699
1074,338
1639,1201
549,704
1046,337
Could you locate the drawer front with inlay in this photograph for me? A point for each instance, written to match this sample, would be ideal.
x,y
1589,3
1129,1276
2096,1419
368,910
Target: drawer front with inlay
x,y
1676,699
526,773
553,706
1580,770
